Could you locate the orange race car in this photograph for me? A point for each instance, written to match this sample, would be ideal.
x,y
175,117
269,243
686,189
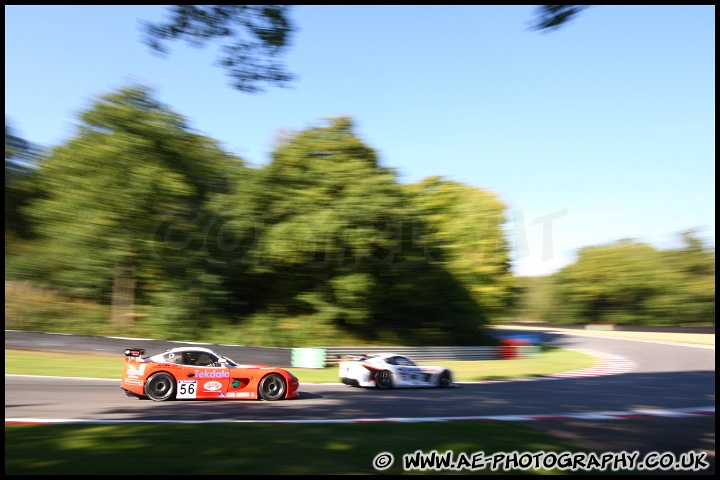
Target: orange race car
x,y
188,373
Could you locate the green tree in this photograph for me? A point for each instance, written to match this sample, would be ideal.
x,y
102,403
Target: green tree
x,y
632,283
613,283
329,218
337,245
466,234
690,298
20,159
535,299
122,217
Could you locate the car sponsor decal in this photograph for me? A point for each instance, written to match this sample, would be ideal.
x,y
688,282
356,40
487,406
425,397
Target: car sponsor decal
x,y
133,371
212,374
213,386
431,369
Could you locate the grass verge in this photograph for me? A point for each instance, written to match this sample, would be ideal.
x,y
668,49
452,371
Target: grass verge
x,y
266,449
550,360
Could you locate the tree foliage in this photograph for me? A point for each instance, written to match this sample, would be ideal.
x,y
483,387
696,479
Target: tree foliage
x,y
466,233
140,215
633,283
340,246
20,159
255,37
139,211
552,17
108,194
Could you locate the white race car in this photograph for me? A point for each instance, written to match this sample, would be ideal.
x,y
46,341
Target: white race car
x,y
390,370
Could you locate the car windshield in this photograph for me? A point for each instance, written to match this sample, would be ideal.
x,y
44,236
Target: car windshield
x,y
229,361
404,361
175,357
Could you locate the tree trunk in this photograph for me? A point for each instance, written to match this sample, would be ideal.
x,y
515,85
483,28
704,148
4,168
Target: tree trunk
x,y
123,298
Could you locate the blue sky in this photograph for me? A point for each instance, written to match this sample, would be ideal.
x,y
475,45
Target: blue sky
x,y
602,130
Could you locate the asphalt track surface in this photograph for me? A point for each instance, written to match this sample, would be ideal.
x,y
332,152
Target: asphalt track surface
x,y
642,396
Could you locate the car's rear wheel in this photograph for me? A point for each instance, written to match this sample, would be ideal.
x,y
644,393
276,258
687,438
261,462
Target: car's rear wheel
x,y
272,387
160,387
445,379
384,379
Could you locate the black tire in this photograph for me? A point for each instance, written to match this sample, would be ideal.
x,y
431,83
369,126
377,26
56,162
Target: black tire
x,y
272,387
445,379
384,379
160,387
349,382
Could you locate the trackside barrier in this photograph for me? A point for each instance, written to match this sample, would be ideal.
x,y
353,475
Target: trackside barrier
x,y
308,357
421,354
527,351
600,326
508,348
519,346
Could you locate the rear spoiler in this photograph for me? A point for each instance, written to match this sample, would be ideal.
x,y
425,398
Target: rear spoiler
x,y
354,358
134,352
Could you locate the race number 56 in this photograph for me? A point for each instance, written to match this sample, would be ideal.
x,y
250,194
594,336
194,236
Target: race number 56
x,y
186,388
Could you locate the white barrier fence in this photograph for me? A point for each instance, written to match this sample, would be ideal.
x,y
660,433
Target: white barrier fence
x,y
330,356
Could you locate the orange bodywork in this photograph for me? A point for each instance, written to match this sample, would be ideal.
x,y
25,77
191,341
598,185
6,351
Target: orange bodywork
x,y
205,382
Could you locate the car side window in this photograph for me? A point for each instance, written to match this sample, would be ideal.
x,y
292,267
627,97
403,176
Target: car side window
x,y
205,360
405,361
171,357
190,358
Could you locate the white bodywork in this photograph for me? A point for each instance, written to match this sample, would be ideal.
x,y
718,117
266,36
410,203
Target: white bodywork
x,y
364,371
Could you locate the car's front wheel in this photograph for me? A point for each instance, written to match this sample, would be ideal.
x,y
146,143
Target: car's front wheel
x,y
160,387
445,379
272,387
384,379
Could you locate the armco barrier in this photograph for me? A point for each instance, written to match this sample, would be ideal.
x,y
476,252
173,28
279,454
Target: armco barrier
x,y
278,356
600,326
421,354
519,346
527,351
